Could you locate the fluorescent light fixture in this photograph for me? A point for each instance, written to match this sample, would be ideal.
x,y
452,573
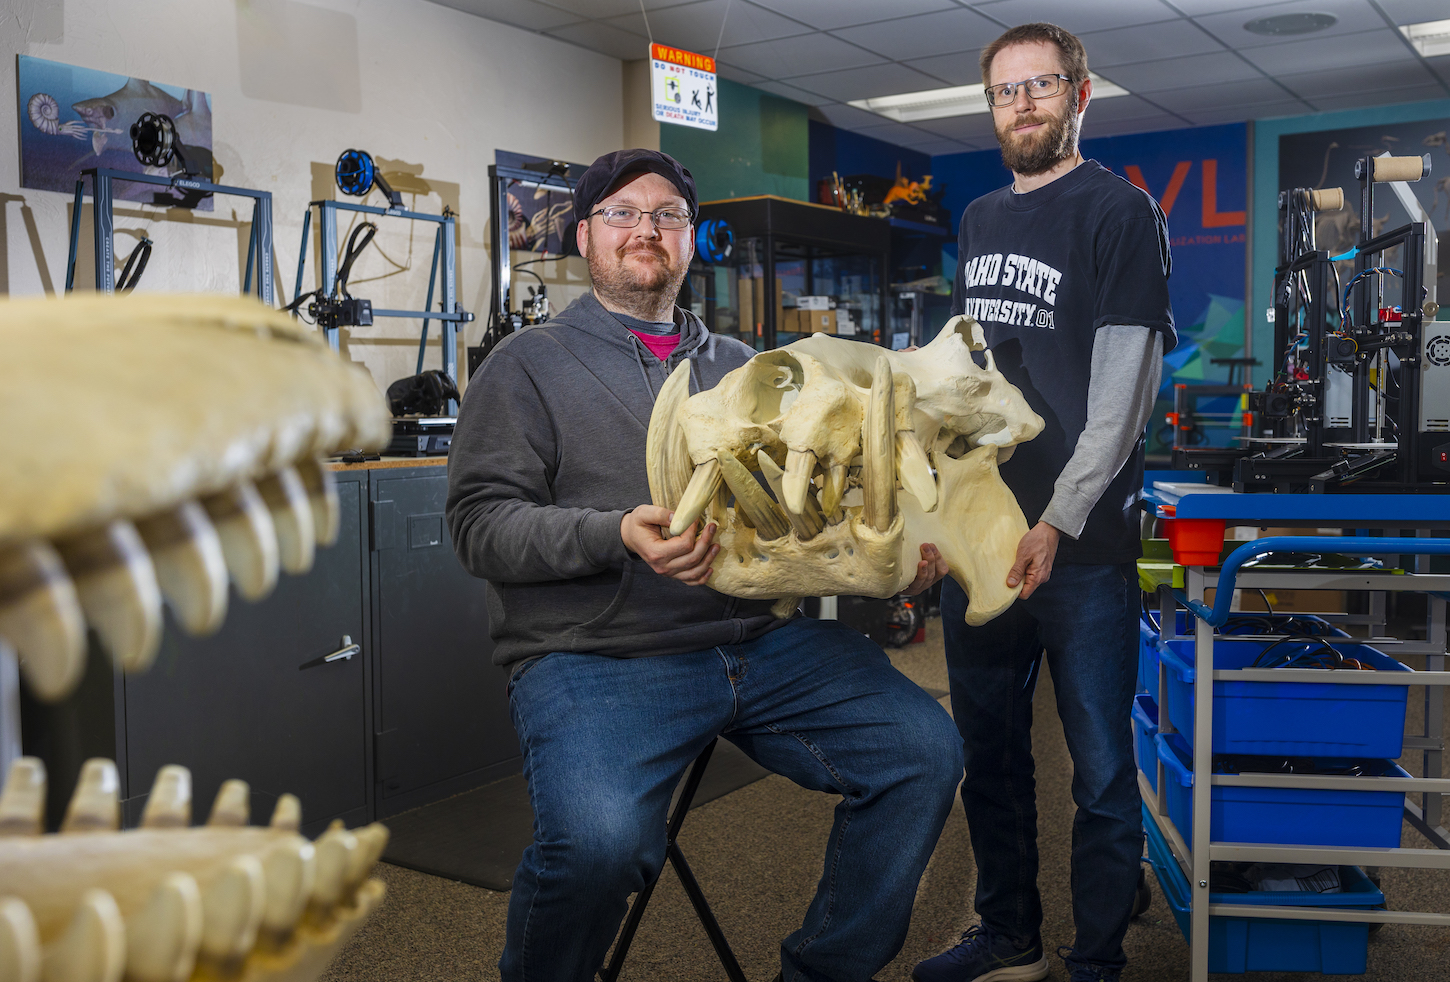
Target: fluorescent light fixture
x,y
1430,38
959,100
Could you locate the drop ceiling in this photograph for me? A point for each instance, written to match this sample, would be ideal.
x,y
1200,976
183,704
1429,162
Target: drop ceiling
x,y
1185,62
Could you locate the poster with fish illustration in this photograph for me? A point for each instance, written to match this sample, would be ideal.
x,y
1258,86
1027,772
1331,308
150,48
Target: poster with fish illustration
x,y
72,119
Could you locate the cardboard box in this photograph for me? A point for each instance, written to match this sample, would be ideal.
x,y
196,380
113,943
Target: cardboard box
x,y
813,303
797,321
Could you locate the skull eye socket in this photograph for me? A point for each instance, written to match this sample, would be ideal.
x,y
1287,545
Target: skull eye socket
x,y
776,386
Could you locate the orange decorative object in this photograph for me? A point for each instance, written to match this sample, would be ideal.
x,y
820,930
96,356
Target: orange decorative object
x,y
912,192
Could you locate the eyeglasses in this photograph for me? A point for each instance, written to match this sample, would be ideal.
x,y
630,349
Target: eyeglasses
x,y
623,216
1036,87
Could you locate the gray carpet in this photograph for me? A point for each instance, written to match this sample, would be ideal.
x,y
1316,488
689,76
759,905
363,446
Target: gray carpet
x,y
757,853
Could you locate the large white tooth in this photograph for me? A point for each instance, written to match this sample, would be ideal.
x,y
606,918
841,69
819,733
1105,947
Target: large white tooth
x,y
371,841
169,804
95,806
878,451
249,539
915,470
93,947
22,804
286,499
667,455
232,807
20,952
232,905
800,467
289,868
834,488
807,524
163,937
751,501
785,607
116,583
287,815
41,618
697,497
334,855
190,567
321,486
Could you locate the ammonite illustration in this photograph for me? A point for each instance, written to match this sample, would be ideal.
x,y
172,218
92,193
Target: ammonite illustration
x,y
44,113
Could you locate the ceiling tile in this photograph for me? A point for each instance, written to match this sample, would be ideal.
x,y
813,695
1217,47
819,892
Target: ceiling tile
x,y
1170,39
937,147
1233,114
1367,48
1359,78
1353,16
825,15
1077,16
737,74
849,117
1120,107
863,83
971,129
1415,11
809,54
602,9
786,91
1182,73
925,34
1150,124
1200,8
897,133
1219,96
962,68
604,39
697,26
519,13
1384,97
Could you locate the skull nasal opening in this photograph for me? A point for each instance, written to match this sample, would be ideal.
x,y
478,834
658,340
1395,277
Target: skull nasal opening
x,y
774,385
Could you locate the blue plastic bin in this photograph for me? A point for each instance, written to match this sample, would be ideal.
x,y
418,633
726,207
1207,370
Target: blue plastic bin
x,y
1247,623
1147,657
1254,944
1301,719
1289,816
1145,732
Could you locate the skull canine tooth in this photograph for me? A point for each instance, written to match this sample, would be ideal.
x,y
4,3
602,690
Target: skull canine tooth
x,y
697,497
41,618
321,487
232,806
286,498
95,806
914,470
168,806
807,524
878,451
248,537
834,488
116,583
667,454
800,467
190,567
22,803
20,952
164,936
751,501
93,947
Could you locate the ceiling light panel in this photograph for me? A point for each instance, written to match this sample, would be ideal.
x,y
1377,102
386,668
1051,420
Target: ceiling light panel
x,y
1430,38
958,100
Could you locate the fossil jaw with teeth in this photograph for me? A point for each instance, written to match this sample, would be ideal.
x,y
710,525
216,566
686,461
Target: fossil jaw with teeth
x,y
837,429
169,902
195,457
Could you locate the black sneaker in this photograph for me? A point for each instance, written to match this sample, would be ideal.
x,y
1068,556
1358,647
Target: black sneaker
x,y
984,956
1082,971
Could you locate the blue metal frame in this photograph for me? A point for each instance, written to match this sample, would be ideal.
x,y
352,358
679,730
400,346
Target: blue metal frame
x,y
1349,510
259,246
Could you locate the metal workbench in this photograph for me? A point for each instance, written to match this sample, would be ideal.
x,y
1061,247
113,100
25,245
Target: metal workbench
x,y
1406,569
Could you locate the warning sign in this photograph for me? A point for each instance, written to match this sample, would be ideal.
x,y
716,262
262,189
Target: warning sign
x,y
684,87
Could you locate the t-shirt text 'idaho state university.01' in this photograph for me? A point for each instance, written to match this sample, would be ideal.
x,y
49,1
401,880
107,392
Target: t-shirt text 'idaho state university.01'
x,y
1029,278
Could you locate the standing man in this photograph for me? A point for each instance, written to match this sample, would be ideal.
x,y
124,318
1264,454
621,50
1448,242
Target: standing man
x,y
622,664
1084,255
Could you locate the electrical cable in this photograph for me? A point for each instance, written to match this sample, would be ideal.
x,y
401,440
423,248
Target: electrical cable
x,y
354,248
128,279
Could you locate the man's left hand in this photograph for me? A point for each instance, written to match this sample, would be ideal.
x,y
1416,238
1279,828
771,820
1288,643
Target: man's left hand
x,y
1033,565
931,569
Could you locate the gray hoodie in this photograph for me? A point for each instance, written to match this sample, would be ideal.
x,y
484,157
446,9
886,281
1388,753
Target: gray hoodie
x,y
547,456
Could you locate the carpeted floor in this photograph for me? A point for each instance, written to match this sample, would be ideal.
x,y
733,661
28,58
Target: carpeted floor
x,y
757,853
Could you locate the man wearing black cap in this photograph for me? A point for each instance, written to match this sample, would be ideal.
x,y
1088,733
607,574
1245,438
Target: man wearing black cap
x,y
623,665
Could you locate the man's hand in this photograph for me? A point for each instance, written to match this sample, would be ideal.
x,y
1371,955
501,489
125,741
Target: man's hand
x,y
686,557
1033,566
931,568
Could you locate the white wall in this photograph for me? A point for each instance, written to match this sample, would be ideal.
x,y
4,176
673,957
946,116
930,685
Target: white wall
x,y
431,92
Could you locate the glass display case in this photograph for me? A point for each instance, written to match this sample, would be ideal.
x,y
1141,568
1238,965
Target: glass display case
x,y
794,269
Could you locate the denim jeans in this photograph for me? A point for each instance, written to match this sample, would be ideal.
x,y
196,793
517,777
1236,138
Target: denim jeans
x,y
1086,619
605,741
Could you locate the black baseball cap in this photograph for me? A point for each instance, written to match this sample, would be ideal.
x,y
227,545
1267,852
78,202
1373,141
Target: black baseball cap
x,y
608,170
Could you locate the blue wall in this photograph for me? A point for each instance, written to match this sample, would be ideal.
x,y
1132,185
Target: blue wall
x,y
848,153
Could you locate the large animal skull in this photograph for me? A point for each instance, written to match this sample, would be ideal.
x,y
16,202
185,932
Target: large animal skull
x,y
834,426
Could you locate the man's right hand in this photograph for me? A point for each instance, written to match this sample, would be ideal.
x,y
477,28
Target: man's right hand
x,y
686,557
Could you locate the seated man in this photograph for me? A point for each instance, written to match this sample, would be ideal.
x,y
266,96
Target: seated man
x,y
623,666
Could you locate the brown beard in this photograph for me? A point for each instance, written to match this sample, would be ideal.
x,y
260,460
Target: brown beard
x,y
1041,151
639,287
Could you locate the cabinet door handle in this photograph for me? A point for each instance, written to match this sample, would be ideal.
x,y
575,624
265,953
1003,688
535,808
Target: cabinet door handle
x,y
348,649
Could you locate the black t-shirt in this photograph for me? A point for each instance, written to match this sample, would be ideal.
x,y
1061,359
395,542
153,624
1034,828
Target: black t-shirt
x,y
1041,272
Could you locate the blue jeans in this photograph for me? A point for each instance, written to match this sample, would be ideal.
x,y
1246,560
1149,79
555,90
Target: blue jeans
x,y
1086,618
605,741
